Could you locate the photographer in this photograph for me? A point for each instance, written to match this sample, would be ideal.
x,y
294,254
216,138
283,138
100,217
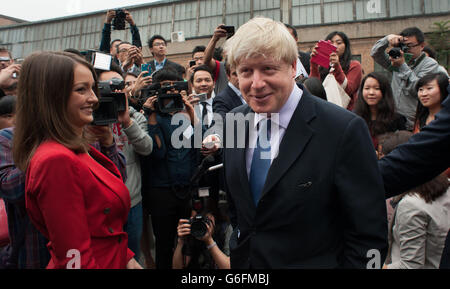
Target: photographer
x,y
408,64
170,168
130,57
202,243
110,47
131,135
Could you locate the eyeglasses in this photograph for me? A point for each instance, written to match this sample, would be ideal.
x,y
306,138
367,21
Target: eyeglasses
x,y
5,59
159,44
412,45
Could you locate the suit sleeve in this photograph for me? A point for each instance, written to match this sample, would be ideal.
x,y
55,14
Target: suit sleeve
x,y
425,156
361,197
56,187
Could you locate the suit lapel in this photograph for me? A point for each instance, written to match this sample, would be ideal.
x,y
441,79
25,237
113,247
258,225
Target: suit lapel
x,y
294,141
107,173
240,163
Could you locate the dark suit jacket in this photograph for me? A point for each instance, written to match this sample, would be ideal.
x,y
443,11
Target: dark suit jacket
x,y
323,202
305,59
175,66
426,155
226,101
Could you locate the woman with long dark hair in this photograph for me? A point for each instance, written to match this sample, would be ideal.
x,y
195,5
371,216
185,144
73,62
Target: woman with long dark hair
x,y
75,195
432,91
348,72
376,106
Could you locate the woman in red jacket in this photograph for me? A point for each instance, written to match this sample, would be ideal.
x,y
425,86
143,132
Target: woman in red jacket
x,y
74,195
348,72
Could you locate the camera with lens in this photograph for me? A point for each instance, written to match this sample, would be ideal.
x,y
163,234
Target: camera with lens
x,y
167,102
395,52
119,20
110,102
199,226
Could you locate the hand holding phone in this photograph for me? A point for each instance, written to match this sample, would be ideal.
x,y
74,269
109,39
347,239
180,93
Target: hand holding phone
x,y
229,29
146,67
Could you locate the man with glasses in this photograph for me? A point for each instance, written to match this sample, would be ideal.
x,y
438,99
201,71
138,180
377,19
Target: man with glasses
x,y
411,65
130,58
158,48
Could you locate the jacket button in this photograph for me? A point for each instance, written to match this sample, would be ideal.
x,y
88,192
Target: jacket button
x,y
120,239
107,211
110,230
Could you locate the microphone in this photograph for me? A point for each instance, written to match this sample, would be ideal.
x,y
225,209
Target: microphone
x,y
203,167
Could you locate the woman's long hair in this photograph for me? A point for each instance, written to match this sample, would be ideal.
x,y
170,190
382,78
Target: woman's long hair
x,y
385,107
422,112
45,86
344,60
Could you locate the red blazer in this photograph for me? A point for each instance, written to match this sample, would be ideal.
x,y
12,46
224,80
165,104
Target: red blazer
x,y
78,201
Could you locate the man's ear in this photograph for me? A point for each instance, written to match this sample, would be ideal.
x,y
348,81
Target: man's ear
x,y
294,67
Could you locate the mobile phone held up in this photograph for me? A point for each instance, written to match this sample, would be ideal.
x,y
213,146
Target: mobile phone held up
x,y
192,63
324,50
146,67
230,30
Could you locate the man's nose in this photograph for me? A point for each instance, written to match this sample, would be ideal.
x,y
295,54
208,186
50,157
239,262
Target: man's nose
x,y
258,81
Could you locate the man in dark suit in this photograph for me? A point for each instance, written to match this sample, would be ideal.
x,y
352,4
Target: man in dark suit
x,y
305,190
158,48
230,97
304,57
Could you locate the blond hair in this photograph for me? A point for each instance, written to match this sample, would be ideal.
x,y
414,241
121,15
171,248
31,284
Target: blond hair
x,y
261,37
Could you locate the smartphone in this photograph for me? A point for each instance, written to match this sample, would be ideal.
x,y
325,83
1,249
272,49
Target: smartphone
x,y
202,97
192,63
230,30
148,68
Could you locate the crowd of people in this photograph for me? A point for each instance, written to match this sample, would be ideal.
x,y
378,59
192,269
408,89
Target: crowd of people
x,y
311,185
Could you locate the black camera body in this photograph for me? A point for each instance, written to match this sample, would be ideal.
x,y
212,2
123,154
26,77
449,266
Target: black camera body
x,y
167,102
119,21
199,226
110,102
395,52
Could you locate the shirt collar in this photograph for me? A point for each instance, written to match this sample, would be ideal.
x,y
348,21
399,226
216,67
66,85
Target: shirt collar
x,y
162,63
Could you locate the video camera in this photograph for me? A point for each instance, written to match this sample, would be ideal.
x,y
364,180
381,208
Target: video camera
x,y
119,21
110,102
395,52
167,102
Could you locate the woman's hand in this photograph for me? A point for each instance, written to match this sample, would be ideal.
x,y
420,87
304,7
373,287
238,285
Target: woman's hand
x,y
133,264
183,230
102,134
334,59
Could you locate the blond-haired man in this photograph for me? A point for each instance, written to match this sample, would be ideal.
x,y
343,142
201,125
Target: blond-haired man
x,y
305,191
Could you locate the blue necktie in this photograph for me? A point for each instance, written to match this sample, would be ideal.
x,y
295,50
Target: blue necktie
x,y
261,161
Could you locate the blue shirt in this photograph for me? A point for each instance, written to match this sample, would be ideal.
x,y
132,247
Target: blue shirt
x,y
159,66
